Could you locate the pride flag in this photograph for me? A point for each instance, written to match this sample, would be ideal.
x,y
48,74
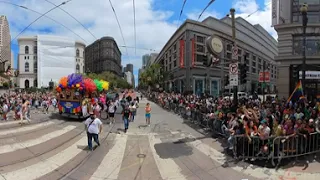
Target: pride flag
x,y
297,93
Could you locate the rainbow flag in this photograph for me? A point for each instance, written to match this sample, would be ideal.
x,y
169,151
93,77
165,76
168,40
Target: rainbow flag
x,y
297,93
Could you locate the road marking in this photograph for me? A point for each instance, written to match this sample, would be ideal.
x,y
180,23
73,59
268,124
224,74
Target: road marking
x,y
109,167
33,142
259,173
167,167
47,165
9,122
26,128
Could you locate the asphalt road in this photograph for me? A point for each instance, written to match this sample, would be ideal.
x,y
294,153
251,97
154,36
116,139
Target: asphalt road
x,y
53,147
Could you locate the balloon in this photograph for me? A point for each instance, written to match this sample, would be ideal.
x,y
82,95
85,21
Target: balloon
x,y
81,88
98,84
78,85
64,81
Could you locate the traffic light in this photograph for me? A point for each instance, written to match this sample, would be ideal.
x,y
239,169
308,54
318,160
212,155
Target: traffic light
x,y
243,73
207,60
226,80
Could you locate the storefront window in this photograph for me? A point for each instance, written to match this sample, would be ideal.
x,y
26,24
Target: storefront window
x,y
214,88
312,45
309,2
199,86
313,11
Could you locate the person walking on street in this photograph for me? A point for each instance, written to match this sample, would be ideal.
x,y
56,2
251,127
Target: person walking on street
x,y
126,113
148,114
94,128
133,110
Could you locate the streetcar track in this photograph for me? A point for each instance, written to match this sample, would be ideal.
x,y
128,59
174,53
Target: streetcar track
x,y
38,155
13,135
86,157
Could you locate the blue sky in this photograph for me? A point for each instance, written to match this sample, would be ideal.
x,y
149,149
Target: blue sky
x,y
158,16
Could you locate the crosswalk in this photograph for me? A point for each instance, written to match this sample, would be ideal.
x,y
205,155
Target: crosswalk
x,y
55,150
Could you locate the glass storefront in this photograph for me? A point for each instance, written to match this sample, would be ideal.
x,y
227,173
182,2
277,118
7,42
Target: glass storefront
x,y
312,83
198,86
214,89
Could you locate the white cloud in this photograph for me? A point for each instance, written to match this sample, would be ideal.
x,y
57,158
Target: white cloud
x,y
152,27
261,15
194,15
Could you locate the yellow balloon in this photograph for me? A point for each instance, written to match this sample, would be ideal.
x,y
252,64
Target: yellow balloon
x,y
77,85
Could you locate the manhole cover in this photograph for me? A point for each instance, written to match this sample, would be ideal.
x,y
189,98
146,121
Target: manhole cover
x,y
141,155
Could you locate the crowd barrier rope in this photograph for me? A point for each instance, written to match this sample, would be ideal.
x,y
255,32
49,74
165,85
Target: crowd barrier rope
x,y
272,149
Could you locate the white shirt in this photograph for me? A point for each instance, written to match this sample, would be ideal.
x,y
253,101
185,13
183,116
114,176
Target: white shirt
x,y
94,126
111,108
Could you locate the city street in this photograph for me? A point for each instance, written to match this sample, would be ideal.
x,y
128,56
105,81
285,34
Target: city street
x,y
52,147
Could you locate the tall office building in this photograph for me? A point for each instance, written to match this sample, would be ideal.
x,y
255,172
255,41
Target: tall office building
x,y
287,21
103,55
5,46
145,60
129,67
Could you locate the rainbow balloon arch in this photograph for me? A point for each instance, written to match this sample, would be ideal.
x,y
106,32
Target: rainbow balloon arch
x,y
82,84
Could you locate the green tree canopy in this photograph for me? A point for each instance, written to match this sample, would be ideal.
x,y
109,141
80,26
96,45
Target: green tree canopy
x,y
115,81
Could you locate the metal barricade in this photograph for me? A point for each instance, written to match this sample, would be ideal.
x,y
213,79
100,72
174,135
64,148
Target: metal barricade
x,y
253,148
296,146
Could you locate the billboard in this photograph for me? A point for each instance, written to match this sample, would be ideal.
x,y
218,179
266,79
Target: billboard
x,y
56,58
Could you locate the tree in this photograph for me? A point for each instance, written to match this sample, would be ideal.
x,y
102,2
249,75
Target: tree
x,y
151,76
115,81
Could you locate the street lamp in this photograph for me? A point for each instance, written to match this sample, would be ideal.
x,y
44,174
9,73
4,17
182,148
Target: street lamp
x,y
304,12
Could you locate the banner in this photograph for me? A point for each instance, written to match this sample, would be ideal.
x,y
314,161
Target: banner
x,y
182,47
193,60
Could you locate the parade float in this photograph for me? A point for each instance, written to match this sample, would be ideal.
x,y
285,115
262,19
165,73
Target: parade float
x,y
75,94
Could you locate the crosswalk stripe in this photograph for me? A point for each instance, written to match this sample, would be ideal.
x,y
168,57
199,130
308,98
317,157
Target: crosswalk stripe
x,y
47,165
109,167
258,173
27,128
33,142
167,167
9,123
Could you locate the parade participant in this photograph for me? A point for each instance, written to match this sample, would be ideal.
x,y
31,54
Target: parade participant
x,y
94,128
111,111
133,110
24,112
148,113
126,114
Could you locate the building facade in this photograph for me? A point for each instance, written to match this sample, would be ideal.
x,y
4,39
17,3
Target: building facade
x,y
30,55
145,60
287,21
5,44
183,55
103,55
129,67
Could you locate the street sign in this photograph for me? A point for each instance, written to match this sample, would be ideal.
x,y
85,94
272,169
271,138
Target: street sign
x,y
235,52
264,76
233,79
233,68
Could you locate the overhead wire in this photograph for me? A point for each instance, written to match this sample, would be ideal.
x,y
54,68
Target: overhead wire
x,y
115,14
211,1
24,29
26,8
181,11
134,27
138,48
256,10
73,18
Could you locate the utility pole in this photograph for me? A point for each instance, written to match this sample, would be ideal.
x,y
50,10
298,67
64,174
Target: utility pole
x,y
264,81
233,23
304,12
